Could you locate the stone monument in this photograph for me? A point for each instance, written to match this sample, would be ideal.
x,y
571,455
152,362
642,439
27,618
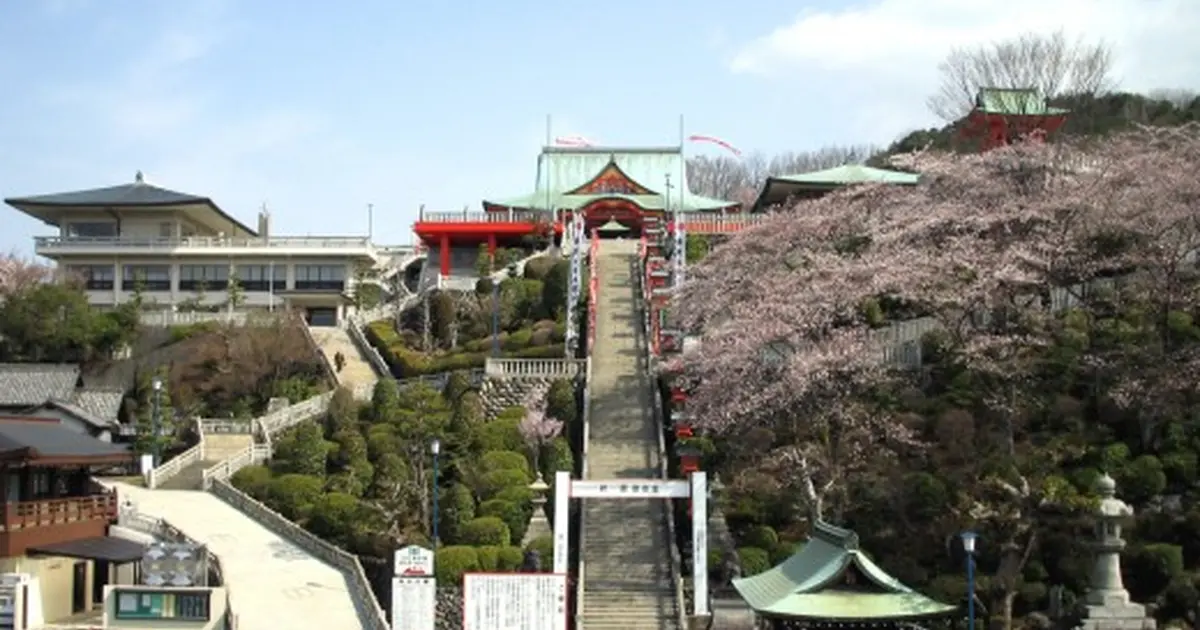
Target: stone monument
x,y
539,525
1107,602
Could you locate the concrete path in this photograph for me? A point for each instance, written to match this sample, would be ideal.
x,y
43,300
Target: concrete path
x,y
627,563
274,583
358,370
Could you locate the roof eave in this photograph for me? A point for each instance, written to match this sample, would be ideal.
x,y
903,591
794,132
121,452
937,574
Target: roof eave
x,y
25,203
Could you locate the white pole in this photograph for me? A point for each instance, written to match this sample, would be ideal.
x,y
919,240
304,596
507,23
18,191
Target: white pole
x,y
562,520
700,544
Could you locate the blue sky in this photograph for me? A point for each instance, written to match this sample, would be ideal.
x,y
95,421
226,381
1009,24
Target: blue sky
x,y
319,108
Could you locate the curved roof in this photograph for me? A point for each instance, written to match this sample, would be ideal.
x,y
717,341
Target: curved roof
x,y
811,584
778,188
562,170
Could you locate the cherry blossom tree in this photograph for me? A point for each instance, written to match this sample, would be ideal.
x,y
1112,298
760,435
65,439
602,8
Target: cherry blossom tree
x,y
537,426
17,273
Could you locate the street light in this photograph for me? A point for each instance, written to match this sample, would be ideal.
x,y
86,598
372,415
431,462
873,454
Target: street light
x,y
435,447
156,421
968,543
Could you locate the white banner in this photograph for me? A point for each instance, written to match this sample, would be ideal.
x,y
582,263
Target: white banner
x,y
630,489
514,601
414,603
561,527
700,543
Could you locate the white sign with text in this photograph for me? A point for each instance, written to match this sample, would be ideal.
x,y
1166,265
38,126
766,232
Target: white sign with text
x,y
414,603
412,561
514,601
630,489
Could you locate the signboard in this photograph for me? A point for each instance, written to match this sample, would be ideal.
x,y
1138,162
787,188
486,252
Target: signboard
x,y
414,603
630,489
700,541
514,601
561,528
412,561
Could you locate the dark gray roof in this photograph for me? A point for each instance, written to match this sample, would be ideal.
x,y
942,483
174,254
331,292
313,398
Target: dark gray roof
x,y
138,193
77,412
102,403
52,439
108,548
32,384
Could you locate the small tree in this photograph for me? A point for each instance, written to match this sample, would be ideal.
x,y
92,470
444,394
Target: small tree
x,y
155,432
235,294
538,428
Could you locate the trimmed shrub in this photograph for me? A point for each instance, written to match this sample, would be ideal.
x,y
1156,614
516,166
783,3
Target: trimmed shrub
x,y
457,508
754,560
489,558
538,268
521,496
500,434
450,563
544,546
510,558
493,482
253,480
556,456
486,530
761,537
514,516
504,460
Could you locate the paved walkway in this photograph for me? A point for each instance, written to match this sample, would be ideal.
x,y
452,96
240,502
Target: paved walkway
x,y
274,583
627,563
358,370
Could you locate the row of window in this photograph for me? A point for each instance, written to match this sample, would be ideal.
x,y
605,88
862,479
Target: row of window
x,y
213,277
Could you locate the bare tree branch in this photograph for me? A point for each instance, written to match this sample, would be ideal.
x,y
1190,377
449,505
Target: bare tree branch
x,y
1051,64
740,180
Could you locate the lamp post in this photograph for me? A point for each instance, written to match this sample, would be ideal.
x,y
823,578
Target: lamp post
x,y
435,447
156,421
495,317
968,543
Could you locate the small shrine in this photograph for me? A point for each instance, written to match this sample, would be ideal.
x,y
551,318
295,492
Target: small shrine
x,y
832,583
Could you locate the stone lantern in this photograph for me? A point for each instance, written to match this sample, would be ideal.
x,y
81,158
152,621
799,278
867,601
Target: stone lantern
x,y
539,525
1107,601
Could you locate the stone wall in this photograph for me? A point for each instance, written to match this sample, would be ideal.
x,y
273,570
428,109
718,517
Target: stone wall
x,y
500,393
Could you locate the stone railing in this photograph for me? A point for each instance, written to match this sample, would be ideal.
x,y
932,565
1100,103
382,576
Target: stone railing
x,y
660,429
466,216
250,456
370,613
157,476
207,426
215,242
699,224
328,370
534,368
354,329
188,318
292,415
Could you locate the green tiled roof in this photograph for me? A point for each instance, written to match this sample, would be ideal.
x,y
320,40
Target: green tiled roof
x,y
850,174
563,169
807,585
1014,102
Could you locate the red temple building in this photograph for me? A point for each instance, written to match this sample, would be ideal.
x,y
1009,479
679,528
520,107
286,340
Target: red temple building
x,y
612,188
1002,115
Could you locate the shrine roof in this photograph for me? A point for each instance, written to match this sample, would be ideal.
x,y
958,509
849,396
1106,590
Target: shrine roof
x,y
778,188
811,584
1014,102
564,170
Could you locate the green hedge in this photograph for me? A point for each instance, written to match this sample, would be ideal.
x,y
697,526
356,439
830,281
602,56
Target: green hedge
x,y
515,516
754,560
450,563
486,530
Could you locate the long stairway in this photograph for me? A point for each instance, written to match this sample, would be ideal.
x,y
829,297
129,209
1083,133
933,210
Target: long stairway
x,y
218,447
357,370
627,564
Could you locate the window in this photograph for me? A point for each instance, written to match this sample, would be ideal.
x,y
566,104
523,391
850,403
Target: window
x,y
203,277
95,277
262,277
166,230
92,229
320,277
146,277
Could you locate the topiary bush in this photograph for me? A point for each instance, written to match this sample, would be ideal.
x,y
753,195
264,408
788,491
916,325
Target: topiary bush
x,y
253,480
504,460
489,558
754,560
510,558
486,530
494,482
450,563
500,434
514,516
761,537
456,508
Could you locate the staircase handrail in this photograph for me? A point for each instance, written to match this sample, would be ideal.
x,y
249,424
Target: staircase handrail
x,y
172,467
533,368
327,367
205,426
354,328
250,456
359,587
583,474
651,376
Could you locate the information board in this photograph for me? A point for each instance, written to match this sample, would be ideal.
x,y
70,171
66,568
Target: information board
x,y
514,601
414,603
412,561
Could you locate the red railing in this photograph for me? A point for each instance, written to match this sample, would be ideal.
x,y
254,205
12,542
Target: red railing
x,y
593,289
57,511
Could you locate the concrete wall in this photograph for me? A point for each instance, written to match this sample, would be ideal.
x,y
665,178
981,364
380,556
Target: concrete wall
x,y
55,577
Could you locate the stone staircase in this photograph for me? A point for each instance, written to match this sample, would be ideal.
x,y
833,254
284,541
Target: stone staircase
x,y
218,447
627,570
357,371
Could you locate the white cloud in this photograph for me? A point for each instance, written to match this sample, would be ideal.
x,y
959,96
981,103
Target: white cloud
x,y
895,45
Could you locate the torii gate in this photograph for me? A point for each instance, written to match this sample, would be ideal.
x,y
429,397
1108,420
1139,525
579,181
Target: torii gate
x,y
695,488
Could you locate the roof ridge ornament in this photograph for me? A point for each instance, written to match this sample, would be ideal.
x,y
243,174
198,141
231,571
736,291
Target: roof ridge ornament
x,y
139,178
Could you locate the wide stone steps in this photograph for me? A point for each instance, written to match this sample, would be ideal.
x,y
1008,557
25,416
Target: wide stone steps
x,y
627,573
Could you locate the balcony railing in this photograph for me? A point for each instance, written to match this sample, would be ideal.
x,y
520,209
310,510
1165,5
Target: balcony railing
x,y
203,242
26,514
512,216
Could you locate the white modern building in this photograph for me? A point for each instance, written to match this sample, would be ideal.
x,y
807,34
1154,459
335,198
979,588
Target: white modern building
x,y
180,251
